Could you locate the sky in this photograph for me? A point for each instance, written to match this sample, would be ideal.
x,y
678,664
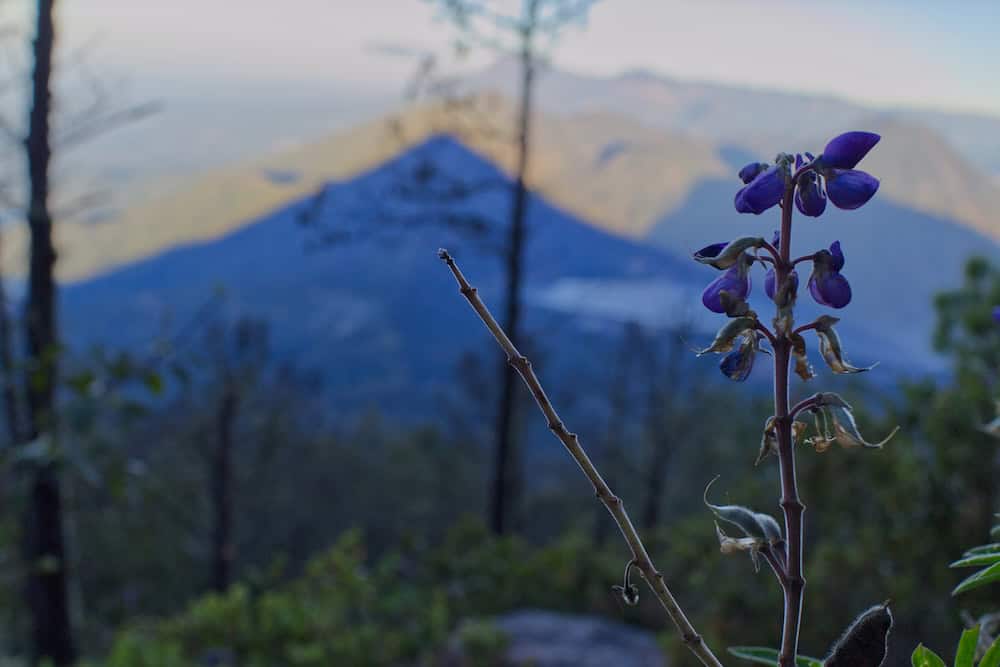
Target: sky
x,y
879,52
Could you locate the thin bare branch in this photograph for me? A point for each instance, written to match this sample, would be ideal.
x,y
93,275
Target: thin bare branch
x,y
97,126
654,578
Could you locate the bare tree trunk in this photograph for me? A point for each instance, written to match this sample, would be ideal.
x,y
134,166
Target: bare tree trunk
x,y
660,435
12,412
222,493
618,404
45,549
656,473
506,478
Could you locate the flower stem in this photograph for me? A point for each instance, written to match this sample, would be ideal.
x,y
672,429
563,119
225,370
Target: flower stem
x,y
640,557
793,583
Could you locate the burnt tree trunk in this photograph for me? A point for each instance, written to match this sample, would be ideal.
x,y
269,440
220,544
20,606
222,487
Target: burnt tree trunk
x,y
222,493
11,407
506,480
52,635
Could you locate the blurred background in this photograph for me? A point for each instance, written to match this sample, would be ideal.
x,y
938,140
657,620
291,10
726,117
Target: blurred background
x,y
249,420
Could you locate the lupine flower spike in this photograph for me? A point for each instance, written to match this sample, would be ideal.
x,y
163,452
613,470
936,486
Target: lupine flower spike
x,y
809,182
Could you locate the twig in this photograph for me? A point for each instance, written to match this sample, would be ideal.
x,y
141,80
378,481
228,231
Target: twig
x,y
654,578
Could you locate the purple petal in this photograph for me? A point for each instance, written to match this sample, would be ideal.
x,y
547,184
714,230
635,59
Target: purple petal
x,y
837,256
764,192
769,283
751,171
776,239
730,281
846,150
830,289
710,250
850,188
809,196
996,314
737,364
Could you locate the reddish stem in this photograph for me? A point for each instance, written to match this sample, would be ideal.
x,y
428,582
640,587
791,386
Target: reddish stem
x,y
793,583
767,332
774,252
774,561
806,327
803,258
804,404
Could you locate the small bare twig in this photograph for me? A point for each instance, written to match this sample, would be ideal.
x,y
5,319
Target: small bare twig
x,y
654,578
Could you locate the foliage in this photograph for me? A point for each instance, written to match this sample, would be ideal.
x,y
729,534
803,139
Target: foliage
x,y
965,654
402,607
987,557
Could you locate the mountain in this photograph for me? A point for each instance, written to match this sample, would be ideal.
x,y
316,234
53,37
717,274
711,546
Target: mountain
x,y
723,113
942,164
378,314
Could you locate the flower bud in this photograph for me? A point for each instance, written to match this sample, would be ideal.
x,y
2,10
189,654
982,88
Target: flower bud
x,y
849,189
735,280
846,150
725,255
765,191
809,196
752,171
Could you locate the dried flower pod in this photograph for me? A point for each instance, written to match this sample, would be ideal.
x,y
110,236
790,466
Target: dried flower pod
x,y
726,337
802,366
832,350
865,642
838,426
761,527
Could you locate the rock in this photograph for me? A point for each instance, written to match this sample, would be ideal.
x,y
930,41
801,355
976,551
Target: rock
x,y
534,638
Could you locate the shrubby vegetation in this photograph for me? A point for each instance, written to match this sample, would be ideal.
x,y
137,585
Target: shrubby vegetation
x,y
388,507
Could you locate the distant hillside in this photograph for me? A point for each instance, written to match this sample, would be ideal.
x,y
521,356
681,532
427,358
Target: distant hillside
x,y
722,113
947,170
378,315
608,168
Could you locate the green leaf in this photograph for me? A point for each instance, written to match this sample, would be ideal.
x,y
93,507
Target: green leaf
x,y
981,578
995,531
769,656
924,657
992,657
985,549
978,560
966,654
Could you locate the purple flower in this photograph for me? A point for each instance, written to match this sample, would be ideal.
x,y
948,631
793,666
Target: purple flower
x,y
769,283
809,196
735,281
737,364
763,192
996,314
826,285
845,151
751,171
850,188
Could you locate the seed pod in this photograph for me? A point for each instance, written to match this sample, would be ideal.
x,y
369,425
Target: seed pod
x,y
864,643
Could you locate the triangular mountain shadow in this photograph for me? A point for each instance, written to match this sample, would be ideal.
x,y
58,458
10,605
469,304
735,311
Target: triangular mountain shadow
x,y
373,309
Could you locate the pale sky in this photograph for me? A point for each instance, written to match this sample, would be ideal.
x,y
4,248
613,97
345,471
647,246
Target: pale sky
x,y
942,54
